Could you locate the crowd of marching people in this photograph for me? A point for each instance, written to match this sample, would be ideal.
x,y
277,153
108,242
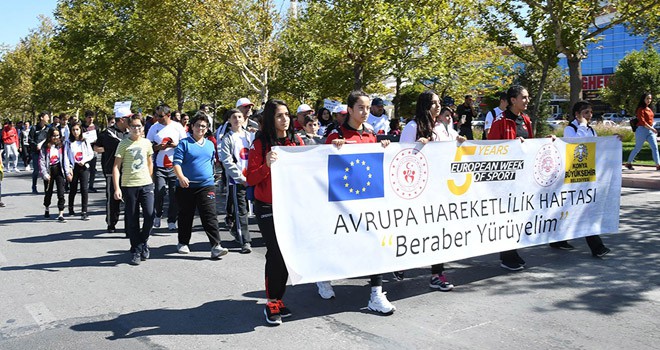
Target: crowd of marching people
x,y
165,167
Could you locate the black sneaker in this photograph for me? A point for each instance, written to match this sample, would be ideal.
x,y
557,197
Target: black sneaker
x,y
47,214
92,190
84,217
136,258
563,245
272,312
398,275
144,252
601,253
61,219
111,229
71,212
284,311
511,265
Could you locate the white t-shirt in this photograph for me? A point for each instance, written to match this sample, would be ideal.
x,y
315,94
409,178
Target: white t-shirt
x,y
160,134
490,117
380,124
241,149
409,133
583,130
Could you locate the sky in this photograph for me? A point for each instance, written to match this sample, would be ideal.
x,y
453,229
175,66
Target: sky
x,y
19,16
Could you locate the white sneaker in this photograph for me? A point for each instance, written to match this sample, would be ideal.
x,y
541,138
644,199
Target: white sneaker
x,y
171,226
325,290
182,249
16,169
28,168
218,251
379,303
156,222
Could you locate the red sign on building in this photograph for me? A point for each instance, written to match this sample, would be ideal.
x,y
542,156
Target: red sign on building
x,y
595,82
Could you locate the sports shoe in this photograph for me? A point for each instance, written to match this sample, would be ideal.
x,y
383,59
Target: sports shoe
x,y
34,190
28,168
284,311
2,205
247,248
511,265
61,219
156,222
136,258
379,303
440,282
144,252
17,170
182,248
325,290
171,226
563,245
272,312
71,212
218,251
47,214
84,217
602,252
629,166
398,275
111,229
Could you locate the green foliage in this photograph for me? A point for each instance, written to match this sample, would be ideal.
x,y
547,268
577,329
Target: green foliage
x,y
637,73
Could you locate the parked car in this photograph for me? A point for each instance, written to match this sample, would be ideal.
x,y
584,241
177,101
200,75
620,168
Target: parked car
x,y
607,123
556,124
609,116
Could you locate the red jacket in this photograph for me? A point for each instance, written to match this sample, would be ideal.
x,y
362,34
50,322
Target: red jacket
x,y
9,135
258,172
504,128
352,136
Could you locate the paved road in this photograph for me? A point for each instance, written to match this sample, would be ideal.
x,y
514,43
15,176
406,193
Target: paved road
x,y
68,286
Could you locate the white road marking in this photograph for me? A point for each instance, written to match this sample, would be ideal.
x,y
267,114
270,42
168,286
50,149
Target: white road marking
x,y
40,313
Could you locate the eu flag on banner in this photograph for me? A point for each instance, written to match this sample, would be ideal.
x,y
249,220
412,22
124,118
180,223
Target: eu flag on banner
x,y
355,176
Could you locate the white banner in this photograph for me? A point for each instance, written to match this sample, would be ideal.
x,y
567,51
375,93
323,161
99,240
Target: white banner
x,y
364,209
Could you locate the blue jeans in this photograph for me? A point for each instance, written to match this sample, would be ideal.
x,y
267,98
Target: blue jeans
x,y
642,135
165,182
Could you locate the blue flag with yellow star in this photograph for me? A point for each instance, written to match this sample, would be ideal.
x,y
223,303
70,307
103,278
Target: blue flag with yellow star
x,y
355,176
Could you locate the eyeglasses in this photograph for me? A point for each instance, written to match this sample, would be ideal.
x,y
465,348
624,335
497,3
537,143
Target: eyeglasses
x,y
137,126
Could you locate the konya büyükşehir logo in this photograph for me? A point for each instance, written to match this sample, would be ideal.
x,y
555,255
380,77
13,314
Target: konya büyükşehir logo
x,y
355,176
580,162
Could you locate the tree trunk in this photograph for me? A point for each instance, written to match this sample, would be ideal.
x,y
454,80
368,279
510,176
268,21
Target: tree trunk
x,y
575,73
397,98
358,71
534,113
179,89
264,93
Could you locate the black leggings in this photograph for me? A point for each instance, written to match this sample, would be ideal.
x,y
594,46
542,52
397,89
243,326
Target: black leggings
x,y
56,179
80,174
276,272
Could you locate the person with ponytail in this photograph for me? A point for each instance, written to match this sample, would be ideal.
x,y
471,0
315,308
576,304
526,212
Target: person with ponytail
x,y
277,131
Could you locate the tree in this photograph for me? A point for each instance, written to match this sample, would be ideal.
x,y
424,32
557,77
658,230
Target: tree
x,y
637,73
540,55
241,34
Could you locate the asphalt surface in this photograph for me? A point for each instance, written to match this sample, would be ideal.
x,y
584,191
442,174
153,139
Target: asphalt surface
x,y
69,286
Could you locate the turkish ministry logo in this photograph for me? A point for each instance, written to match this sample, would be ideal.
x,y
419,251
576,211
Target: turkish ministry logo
x,y
355,176
409,173
547,165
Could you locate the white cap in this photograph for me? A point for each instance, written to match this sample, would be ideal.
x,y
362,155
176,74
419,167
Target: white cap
x,y
304,108
243,101
123,112
341,109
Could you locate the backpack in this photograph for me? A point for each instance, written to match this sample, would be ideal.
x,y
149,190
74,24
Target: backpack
x,y
593,133
633,123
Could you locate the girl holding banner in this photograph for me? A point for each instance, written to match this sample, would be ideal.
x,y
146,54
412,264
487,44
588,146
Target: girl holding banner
x,y
355,130
510,125
431,123
277,131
